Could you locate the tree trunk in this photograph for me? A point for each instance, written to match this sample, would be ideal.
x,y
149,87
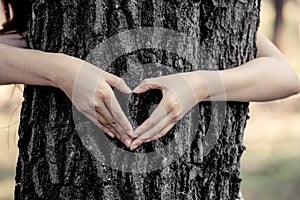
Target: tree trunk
x,y
54,162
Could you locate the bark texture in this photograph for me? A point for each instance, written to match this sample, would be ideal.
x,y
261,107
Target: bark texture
x,y
53,162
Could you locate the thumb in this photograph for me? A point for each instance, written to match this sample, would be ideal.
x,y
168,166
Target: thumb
x,y
146,85
118,83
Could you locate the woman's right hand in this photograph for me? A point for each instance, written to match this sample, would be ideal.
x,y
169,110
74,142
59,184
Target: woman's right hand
x,y
90,90
87,86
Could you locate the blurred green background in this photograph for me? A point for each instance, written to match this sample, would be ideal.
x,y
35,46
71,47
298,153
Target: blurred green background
x,y
271,163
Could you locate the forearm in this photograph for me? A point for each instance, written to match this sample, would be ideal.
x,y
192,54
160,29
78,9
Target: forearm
x,y
267,77
262,79
32,67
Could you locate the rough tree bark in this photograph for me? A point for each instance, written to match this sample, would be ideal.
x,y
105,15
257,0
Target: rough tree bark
x,y
54,164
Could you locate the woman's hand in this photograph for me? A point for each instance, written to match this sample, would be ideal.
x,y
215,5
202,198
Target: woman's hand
x,y
90,90
180,93
268,77
87,86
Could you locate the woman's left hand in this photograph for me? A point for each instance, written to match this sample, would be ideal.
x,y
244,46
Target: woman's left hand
x,y
180,93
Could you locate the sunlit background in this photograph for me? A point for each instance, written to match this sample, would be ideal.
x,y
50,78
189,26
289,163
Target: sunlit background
x,y
271,163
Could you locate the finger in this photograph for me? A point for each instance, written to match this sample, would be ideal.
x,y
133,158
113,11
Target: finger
x,y
162,133
115,128
112,110
111,126
148,84
113,105
122,137
168,104
105,116
118,115
107,131
156,118
172,118
157,132
99,124
117,83
147,135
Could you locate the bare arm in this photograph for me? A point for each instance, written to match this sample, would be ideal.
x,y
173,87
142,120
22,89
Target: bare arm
x,y
96,100
34,67
268,77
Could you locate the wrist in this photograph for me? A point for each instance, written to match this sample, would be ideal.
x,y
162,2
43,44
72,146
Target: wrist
x,y
214,86
199,86
65,69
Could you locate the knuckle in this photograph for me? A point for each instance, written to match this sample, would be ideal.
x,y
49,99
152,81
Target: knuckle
x,y
174,103
105,76
178,113
176,118
111,78
97,106
107,124
100,122
104,95
118,81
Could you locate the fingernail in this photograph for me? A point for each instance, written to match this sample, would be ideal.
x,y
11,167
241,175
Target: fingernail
x,y
110,134
133,147
127,143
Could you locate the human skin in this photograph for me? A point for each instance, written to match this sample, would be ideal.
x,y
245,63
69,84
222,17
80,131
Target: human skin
x,y
268,77
31,67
